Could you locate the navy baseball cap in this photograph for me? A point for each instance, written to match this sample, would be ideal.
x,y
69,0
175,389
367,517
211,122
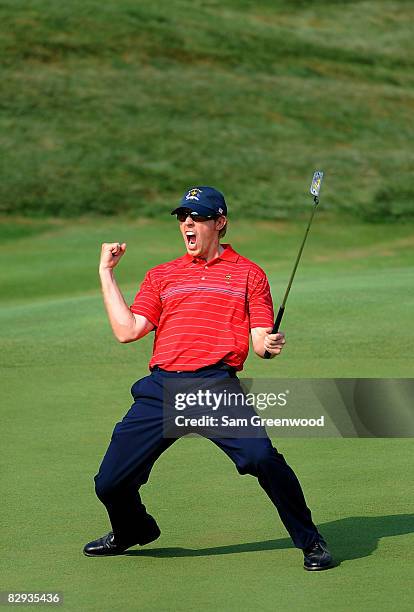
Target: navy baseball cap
x,y
204,201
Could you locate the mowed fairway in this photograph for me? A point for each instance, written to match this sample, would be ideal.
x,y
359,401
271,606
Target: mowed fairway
x,y
66,383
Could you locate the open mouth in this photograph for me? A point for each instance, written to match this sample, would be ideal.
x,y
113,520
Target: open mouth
x,y
191,239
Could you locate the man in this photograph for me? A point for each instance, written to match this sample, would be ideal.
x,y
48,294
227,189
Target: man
x,y
202,306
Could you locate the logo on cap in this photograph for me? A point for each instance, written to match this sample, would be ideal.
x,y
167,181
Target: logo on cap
x,y
193,194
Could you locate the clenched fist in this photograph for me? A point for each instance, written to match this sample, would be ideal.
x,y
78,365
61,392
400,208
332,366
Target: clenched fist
x,y
111,253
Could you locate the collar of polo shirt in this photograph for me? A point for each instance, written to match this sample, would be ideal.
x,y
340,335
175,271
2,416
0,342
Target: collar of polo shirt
x,y
228,254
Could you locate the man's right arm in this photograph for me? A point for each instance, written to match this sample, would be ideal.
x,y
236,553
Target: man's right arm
x,y
126,325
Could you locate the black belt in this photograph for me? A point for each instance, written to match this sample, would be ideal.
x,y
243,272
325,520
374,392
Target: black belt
x,y
215,366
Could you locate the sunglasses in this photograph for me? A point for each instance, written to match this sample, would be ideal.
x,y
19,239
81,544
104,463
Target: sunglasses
x,y
182,216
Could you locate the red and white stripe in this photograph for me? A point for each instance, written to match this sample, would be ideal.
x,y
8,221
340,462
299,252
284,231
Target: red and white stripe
x,y
202,312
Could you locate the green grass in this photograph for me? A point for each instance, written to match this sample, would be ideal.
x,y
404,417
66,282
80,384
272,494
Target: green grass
x,y
222,546
122,106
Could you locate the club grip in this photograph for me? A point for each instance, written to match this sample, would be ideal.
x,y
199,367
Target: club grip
x,y
275,327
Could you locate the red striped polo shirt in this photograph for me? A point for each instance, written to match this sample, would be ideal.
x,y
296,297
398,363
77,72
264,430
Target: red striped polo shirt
x,y
203,311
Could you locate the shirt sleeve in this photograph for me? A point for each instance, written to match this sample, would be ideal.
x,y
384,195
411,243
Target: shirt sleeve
x,y
260,302
147,301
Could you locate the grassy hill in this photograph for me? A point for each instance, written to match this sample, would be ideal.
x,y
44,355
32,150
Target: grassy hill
x,y
120,106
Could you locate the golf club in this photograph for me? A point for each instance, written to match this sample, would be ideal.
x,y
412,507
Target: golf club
x,y
314,190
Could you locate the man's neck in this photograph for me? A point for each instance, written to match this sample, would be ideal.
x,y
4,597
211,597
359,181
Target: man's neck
x,y
213,253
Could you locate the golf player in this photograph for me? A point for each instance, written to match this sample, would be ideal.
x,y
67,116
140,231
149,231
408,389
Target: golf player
x,y
203,307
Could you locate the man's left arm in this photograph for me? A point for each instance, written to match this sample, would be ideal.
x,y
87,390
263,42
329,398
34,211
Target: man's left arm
x,y
261,316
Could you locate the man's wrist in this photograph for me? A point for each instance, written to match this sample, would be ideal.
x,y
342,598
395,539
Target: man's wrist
x,y
105,271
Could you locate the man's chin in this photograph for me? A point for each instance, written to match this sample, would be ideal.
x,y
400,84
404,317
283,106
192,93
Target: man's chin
x,y
194,252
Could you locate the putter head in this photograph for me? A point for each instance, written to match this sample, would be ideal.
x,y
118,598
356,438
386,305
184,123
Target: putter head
x,y
316,185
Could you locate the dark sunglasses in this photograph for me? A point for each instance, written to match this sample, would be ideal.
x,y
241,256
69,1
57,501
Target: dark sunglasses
x,y
182,216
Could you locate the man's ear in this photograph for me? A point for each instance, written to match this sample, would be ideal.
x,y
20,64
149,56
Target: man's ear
x,y
221,222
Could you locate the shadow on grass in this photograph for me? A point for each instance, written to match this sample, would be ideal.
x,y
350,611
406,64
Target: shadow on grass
x,y
349,538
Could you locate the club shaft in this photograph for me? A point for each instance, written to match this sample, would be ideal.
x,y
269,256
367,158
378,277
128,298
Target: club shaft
x,y
292,276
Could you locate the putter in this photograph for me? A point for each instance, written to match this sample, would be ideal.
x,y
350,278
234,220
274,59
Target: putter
x,y
314,190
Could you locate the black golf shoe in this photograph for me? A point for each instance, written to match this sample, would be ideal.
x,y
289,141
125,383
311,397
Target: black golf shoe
x,y
317,557
108,546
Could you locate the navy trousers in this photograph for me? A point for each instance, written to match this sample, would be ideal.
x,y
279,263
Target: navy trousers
x,y
138,440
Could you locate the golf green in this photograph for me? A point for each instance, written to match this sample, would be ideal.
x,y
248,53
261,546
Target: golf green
x,y
66,383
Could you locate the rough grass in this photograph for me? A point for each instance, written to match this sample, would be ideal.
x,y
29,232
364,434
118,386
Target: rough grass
x,y
121,106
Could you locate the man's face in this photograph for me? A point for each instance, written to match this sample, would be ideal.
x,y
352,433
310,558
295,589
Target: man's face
x,y
199,236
